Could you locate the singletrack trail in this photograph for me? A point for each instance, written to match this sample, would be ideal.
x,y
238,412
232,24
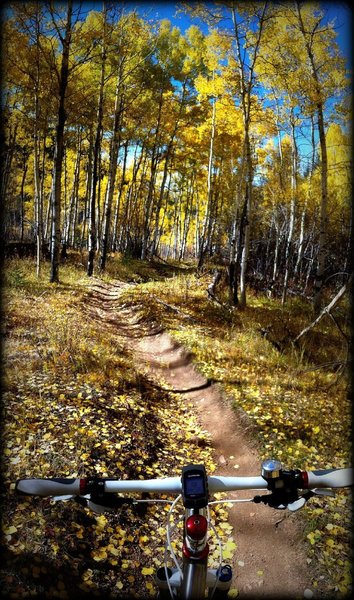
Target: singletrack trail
x,y
270,559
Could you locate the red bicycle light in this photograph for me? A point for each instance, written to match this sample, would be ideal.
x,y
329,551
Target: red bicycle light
x,y
305,480
196,527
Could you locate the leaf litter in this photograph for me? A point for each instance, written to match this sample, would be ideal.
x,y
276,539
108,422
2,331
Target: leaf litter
x,y
65,416
75,405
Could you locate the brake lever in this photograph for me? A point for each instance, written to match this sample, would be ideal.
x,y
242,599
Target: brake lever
x,y
277,501
324,492
62,498
293,506
272,500
299,503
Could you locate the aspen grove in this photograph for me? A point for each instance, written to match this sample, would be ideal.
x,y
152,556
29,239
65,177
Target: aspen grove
x,y
228,142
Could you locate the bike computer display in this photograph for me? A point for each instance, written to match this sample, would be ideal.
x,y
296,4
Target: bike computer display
x,y
194,486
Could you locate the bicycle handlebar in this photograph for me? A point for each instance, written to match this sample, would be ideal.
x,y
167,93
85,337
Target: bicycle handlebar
x,y
329,478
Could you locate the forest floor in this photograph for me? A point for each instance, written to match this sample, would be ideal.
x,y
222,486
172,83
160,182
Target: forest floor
x,y
270,561
95,380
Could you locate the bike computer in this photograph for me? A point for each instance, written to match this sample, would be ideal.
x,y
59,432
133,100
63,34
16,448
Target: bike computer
x,y
194,486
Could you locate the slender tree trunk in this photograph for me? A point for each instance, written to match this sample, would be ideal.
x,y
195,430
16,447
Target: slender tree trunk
x,y
38,202
167,196
98,202
137,215
69,230
246,73
248,218
23,180
322,250
310,256
7,162
177,229
48,219
197,242
276,223
59,151
244,236
153,169
96,158
187,217
86,213
301,244
72,238
44,236
207,220
119,198
160,199
165,171
236,238
232,274
112,174
63,253
127,209
276,252
38,184
294,170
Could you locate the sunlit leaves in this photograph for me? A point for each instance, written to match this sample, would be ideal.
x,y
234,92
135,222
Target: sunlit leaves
x,y
297,413
103,418
228,549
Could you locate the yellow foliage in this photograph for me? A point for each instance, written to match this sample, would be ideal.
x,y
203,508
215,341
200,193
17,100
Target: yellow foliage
x,y
60,423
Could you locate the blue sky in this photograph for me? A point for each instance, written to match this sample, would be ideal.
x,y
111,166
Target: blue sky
x,y
343,15
340,12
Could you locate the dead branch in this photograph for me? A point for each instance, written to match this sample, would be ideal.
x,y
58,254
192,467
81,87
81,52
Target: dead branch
x,y
171,307
326,311
211,290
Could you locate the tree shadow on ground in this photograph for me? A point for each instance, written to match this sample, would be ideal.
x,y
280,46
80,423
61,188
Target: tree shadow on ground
x,y
36,576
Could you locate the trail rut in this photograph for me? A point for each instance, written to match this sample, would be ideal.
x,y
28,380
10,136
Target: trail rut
x,y
270,560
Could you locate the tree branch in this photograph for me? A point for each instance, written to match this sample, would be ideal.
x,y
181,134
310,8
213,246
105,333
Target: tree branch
x,y
327,309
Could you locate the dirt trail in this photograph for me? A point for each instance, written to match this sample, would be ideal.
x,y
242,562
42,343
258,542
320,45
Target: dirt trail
x,y
270,560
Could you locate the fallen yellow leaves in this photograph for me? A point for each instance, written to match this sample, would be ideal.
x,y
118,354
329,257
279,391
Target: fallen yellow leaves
x,y
100,554
9,530
91,412
299,413
60,423
228,549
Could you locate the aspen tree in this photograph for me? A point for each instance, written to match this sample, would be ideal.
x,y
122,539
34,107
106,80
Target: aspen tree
x,y
293,202
96,149
247,82
59,146
322,250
